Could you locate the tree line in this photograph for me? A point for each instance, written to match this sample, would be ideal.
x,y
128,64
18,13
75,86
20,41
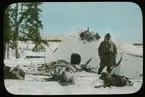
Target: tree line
x,y
22,22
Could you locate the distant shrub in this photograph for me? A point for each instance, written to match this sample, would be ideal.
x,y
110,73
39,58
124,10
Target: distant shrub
x,y
89,36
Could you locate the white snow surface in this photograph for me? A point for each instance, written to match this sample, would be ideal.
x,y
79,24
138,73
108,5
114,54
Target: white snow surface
x,y
84,84
131,67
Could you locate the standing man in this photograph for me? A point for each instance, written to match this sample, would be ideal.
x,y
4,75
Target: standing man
x,y
107,51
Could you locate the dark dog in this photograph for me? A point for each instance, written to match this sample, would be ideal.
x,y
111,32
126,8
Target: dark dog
x,y
7,73
18,73
114,80
13,73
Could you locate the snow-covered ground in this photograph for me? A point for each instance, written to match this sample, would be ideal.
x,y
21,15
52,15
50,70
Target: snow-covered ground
x,y
131,67
25,49
84,84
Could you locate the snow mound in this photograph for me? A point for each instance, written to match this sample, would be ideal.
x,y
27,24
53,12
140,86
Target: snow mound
x,y
89,50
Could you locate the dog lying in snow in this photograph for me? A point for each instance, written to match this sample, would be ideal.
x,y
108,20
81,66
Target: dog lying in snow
x,y
114,80
67,77
64,75
13,73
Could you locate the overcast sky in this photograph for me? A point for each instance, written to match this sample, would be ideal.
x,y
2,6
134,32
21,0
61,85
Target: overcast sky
x,y
124,20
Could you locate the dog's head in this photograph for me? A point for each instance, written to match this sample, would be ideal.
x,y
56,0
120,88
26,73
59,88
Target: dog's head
x,y
104,75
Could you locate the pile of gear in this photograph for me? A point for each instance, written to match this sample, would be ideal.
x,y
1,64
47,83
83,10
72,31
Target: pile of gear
x,y
49,68
89,36
60,70
63,71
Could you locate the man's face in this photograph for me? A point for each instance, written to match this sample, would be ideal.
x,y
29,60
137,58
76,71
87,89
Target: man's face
x,y
107,39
